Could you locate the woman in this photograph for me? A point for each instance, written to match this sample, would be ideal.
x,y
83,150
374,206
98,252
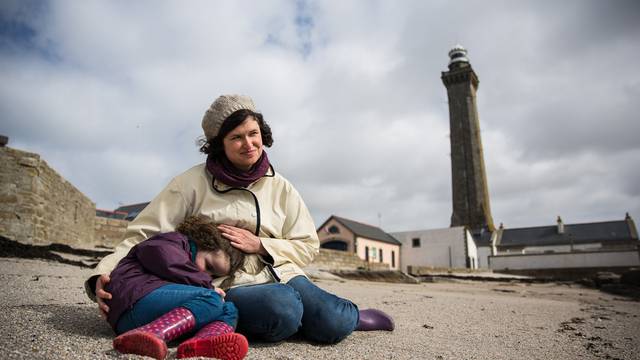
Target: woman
x,y
262,215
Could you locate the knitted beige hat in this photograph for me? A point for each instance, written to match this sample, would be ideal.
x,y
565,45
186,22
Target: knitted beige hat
x,y
224,106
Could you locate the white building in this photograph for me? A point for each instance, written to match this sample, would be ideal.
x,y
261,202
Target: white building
x,y
598,245
441,248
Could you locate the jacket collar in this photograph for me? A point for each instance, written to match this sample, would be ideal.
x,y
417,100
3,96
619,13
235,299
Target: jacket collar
x,y
219,186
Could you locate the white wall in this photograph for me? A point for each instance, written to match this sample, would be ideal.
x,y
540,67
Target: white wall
x,y
483,257
472,251
374,251
438,248
554,248
565,260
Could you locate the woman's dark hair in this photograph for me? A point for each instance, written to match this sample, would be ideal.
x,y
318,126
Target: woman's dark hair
x,y
203,231
215,147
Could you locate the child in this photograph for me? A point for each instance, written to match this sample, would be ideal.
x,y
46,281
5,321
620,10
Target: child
x,y
162,290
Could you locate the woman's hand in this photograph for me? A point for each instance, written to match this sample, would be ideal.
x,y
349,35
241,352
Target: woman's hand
x,y
102,295
243,240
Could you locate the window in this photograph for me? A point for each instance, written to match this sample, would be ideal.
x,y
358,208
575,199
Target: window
x,y
393,259
334,230
415,242
366,253
380,255
374,253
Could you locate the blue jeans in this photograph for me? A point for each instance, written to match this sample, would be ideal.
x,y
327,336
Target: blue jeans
x,y
205,305
274,312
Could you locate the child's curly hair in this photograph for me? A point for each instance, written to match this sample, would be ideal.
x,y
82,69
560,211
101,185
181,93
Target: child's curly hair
x,y
204,233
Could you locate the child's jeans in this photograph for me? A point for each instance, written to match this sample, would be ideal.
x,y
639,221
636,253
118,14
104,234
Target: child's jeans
x,y
274,312
205,304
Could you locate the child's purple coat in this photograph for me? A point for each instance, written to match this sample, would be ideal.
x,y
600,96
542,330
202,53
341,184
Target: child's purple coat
x,y
160,260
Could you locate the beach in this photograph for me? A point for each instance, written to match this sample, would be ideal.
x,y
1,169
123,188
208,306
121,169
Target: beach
x,y
46,315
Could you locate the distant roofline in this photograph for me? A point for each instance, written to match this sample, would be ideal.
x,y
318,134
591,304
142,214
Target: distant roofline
x,y
344,218
565,224
611,232
112,211
344,221
136,204
514,228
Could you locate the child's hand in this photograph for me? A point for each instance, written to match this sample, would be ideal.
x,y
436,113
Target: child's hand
x,y
220,292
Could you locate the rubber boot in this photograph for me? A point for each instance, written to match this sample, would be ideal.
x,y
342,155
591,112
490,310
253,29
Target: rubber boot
x,y
373,319
151,339
215,340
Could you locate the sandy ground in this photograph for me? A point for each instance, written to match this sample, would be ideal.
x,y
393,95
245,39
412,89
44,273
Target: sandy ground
x,y
44,314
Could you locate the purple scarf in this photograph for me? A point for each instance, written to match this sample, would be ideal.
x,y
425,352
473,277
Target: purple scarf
x,y
223,170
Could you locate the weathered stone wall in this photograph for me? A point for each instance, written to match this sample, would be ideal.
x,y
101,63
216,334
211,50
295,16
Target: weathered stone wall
x,y
38,206
109,232
342,260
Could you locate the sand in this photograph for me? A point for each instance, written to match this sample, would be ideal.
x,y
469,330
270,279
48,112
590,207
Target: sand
x,y
44,314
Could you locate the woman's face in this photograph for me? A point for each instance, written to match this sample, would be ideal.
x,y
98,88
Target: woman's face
x,y
243,145
215,263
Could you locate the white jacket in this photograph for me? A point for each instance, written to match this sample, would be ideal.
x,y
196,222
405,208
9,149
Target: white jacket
x,y
286,228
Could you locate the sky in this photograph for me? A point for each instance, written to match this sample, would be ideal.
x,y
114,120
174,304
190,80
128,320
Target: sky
x,y
111,95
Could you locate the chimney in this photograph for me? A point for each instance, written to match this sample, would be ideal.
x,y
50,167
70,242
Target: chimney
x,y
632,226
560,226
4,140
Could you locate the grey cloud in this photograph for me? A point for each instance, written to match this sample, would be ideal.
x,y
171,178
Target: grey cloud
x,y
360,119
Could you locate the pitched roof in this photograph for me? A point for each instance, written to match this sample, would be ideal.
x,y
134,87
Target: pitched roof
x,y
609,231
111,214
366,231
132,210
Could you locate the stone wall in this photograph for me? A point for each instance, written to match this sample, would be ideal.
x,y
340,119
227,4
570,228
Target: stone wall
x,y
342,260
38,206
109,232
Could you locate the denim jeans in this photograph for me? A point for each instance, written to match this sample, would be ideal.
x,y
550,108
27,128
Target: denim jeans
x,y
205,305
274,312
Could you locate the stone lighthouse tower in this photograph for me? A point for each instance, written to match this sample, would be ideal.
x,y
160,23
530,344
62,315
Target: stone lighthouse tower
x,y
469,179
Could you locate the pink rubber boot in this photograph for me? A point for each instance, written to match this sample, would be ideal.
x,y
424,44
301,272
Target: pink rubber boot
x,y
215,340
151,339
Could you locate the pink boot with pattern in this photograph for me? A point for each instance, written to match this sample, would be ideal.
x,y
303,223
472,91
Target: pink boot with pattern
x,y
215,340
151,339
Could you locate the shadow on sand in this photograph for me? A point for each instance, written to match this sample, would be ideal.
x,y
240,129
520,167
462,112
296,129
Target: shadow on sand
x,y
78,320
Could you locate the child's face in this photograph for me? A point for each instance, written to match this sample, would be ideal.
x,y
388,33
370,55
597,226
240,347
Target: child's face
x,y
215,263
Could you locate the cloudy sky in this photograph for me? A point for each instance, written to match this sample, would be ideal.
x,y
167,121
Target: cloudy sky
x,y
111,94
